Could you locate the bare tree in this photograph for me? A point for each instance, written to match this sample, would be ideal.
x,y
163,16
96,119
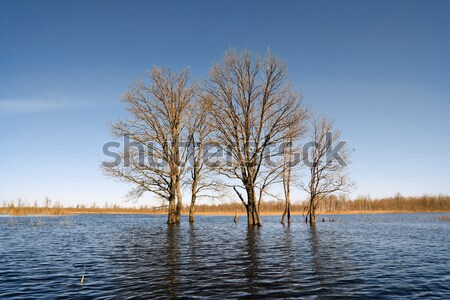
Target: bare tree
x,y
201,179
327,163
252,107
287,170
288,159
291,160
157,129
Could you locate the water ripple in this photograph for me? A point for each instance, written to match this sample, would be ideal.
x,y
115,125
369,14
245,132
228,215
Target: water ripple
x,y
140,257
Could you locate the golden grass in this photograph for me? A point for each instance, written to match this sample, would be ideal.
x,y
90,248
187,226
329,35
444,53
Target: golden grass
x,y
24,211
349,212
327,205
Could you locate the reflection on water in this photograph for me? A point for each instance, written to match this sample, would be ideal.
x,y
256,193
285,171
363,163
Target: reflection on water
x,y
329,262
173,258
251,250
316,255
404,256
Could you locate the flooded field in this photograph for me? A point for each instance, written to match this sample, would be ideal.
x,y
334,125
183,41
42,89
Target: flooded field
x,y
139,256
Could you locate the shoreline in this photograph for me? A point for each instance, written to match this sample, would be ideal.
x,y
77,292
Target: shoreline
x,y
68,211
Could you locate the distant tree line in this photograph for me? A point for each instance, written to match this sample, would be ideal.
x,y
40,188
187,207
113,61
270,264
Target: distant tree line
x,y
342,203
329,204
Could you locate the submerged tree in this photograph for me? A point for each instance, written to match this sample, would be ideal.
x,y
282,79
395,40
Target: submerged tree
x,y
291,160
252,108
287,172
156,157
327,165
247,114
201,179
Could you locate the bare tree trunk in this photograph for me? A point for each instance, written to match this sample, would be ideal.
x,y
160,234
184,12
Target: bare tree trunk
x,y
192,209
312,212
195,178
257,213
287,158
250,207
287,195
287,212
249,214
236,216
283,217
172,219
258,217
253,216
179,202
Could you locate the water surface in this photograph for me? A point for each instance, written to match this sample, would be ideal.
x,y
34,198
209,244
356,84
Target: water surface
x,y
402,256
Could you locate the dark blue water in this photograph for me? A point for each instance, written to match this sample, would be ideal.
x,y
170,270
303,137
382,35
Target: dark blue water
x,y
140,257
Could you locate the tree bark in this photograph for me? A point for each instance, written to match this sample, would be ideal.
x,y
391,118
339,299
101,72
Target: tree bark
x,y
192,209
287,212
253,217
172,219
249,214
287,157
312,212
195,180
179,205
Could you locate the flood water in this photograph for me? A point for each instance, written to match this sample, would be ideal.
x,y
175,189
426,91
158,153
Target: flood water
x,y
403,256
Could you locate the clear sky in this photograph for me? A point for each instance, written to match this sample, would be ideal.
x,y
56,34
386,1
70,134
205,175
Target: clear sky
x,y
380,69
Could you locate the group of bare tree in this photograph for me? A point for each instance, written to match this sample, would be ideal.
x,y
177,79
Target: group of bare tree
x,y
243,125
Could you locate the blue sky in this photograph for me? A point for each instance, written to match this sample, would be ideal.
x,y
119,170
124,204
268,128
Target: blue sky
x,y
380,69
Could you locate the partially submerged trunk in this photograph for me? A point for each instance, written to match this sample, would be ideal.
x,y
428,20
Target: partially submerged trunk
x,y
172,214
179,202
287,157
193,194
311,217
192,209
287,206
253,216
287,212
195,179
174,201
